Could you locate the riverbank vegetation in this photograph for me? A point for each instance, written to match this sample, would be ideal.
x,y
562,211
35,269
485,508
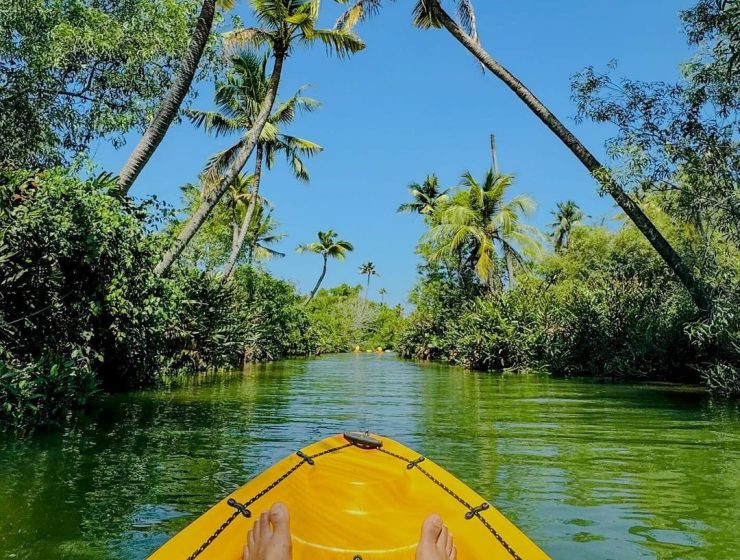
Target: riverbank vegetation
x,y
592,300
102,291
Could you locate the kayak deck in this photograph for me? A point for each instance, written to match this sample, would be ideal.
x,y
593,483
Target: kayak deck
x,y
348,501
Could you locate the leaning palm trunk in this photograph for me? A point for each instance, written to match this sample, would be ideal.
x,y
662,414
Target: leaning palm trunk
x,y
242,235
171,104
630,207
210,200
318,283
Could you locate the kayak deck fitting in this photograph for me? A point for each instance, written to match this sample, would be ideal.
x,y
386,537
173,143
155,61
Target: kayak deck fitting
x,y
354,497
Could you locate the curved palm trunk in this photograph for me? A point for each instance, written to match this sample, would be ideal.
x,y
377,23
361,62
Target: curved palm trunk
x,y
172,101
318,283
242,235
203,211
630,207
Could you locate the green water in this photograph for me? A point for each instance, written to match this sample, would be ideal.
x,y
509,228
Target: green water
x,y
587,470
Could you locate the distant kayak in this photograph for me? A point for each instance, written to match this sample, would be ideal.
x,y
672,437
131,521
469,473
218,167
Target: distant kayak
x,y
354,496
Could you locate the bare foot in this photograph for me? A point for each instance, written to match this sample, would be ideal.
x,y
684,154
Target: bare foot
x,y
269,539
436,541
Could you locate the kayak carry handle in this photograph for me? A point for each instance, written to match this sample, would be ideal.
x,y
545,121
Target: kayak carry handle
x,y
363,440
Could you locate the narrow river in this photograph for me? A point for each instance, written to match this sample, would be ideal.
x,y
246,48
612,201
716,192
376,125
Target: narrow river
x,y
587,470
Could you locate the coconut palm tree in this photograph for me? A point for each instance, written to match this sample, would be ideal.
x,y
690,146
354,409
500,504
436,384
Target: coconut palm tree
x,y
175,95
284,23
382,293
328,247
237,199
368,269
426,197
239,98
567,216
478,219
430,14
262,234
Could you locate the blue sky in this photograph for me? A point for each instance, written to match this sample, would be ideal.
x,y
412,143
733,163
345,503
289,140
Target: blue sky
x,y
413,103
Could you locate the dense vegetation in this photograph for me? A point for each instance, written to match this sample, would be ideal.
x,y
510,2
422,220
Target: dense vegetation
x,y
602,305
101,291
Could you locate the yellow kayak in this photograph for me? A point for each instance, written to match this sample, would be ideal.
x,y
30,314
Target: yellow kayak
x,y
354,496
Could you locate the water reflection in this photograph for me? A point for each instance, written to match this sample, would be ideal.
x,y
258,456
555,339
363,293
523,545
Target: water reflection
x,y
588,470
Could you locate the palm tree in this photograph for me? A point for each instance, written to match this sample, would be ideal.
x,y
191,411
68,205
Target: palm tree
x,y
239,99
262,234
382,293
175,95
368,269
328,247
237,200
567,216
426,197
283,24
430,14
478,219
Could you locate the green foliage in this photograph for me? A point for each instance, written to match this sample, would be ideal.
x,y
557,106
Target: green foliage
x,y
80,307
272,314
604,307
43,390
342,320
72,71
77,283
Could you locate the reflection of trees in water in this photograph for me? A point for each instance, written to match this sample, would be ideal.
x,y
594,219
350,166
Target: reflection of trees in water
x,y
175,452
587,470
591,469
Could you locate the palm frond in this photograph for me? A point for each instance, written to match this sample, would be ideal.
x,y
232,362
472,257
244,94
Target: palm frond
x,y
357,12
467,19
213,122
337,41
249,37
423,15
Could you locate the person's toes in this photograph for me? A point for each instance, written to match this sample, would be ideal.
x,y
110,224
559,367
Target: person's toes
x,y
256,531
245,554
453,554
442,539
265,530
250,537
431,529
280,519
449,546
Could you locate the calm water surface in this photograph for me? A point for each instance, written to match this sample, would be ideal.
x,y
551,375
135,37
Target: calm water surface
x,y
587,470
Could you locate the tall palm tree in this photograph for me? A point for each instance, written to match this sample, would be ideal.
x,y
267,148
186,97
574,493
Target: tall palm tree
x,y
567,216
368,269
175,95
328,247
284,23
479,219
239,99
430,14
426,197
382,293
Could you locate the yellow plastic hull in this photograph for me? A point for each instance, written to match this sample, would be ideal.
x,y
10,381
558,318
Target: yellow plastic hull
x,y
347,502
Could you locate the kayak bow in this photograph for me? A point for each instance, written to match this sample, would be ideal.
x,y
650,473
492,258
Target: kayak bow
x,y
354,497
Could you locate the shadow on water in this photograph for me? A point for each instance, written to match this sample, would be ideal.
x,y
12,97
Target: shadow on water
x,y
588,470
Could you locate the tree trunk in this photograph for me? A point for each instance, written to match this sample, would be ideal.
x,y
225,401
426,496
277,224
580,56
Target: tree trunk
x,y
253,197
203,211
697,290
494,155
171,105
510,269
318,283
234,231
